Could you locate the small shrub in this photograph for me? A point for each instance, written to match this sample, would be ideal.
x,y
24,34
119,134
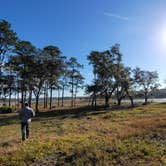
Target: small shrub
x,y
4,110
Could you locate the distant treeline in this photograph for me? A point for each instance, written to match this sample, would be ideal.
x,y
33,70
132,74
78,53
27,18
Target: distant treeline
x,y
159,93
27,72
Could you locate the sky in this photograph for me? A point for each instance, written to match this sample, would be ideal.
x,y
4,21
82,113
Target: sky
x,y
80,26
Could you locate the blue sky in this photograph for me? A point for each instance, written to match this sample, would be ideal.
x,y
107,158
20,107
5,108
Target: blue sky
x,y
79,26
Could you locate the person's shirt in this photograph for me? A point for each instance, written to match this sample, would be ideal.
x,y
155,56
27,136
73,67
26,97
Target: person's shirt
x,y
26,114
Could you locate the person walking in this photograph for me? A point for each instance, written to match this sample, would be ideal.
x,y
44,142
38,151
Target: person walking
x,y
25,115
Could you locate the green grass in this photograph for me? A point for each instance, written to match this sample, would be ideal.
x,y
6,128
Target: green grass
x,y
105,137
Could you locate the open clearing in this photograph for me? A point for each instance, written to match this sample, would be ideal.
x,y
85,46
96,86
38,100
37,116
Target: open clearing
x,y
104,137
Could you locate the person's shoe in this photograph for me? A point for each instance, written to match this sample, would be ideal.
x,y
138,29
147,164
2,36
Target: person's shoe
x,y
23,139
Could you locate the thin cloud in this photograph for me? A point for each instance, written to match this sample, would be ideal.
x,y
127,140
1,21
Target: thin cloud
x,y
116,16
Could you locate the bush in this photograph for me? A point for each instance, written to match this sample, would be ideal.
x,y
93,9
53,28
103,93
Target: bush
x,y
4,110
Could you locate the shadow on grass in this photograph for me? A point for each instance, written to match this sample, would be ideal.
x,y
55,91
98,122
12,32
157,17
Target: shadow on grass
x,y
65,113
79,112
72,112
9,120
59,114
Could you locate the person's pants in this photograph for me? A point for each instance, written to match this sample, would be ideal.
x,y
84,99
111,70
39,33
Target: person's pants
x,y
25,130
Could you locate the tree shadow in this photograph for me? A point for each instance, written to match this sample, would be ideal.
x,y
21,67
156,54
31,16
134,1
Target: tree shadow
x,y
79,112
70,113
4,121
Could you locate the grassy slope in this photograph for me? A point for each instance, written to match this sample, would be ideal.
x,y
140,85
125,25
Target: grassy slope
x,y
119,137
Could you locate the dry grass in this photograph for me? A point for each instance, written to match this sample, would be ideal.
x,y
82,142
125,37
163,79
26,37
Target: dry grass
x,y
104,137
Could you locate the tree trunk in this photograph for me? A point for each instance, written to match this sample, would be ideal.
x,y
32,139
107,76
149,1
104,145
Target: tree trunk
x,y
37,94
75,96
44,99
37,103
18,97
95,99
30,98
10,93
119,101
45,95
95,90
47,98
130,97
72,101
146,97
62,95
106,100
72,94
89,99
15,101
131,100
23,93
58,97
51,97
4,101
22,98
25,96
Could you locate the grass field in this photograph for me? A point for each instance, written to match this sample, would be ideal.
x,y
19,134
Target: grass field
x,y
127,137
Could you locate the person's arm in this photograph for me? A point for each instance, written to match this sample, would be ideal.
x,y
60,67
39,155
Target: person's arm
x,y
32,113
